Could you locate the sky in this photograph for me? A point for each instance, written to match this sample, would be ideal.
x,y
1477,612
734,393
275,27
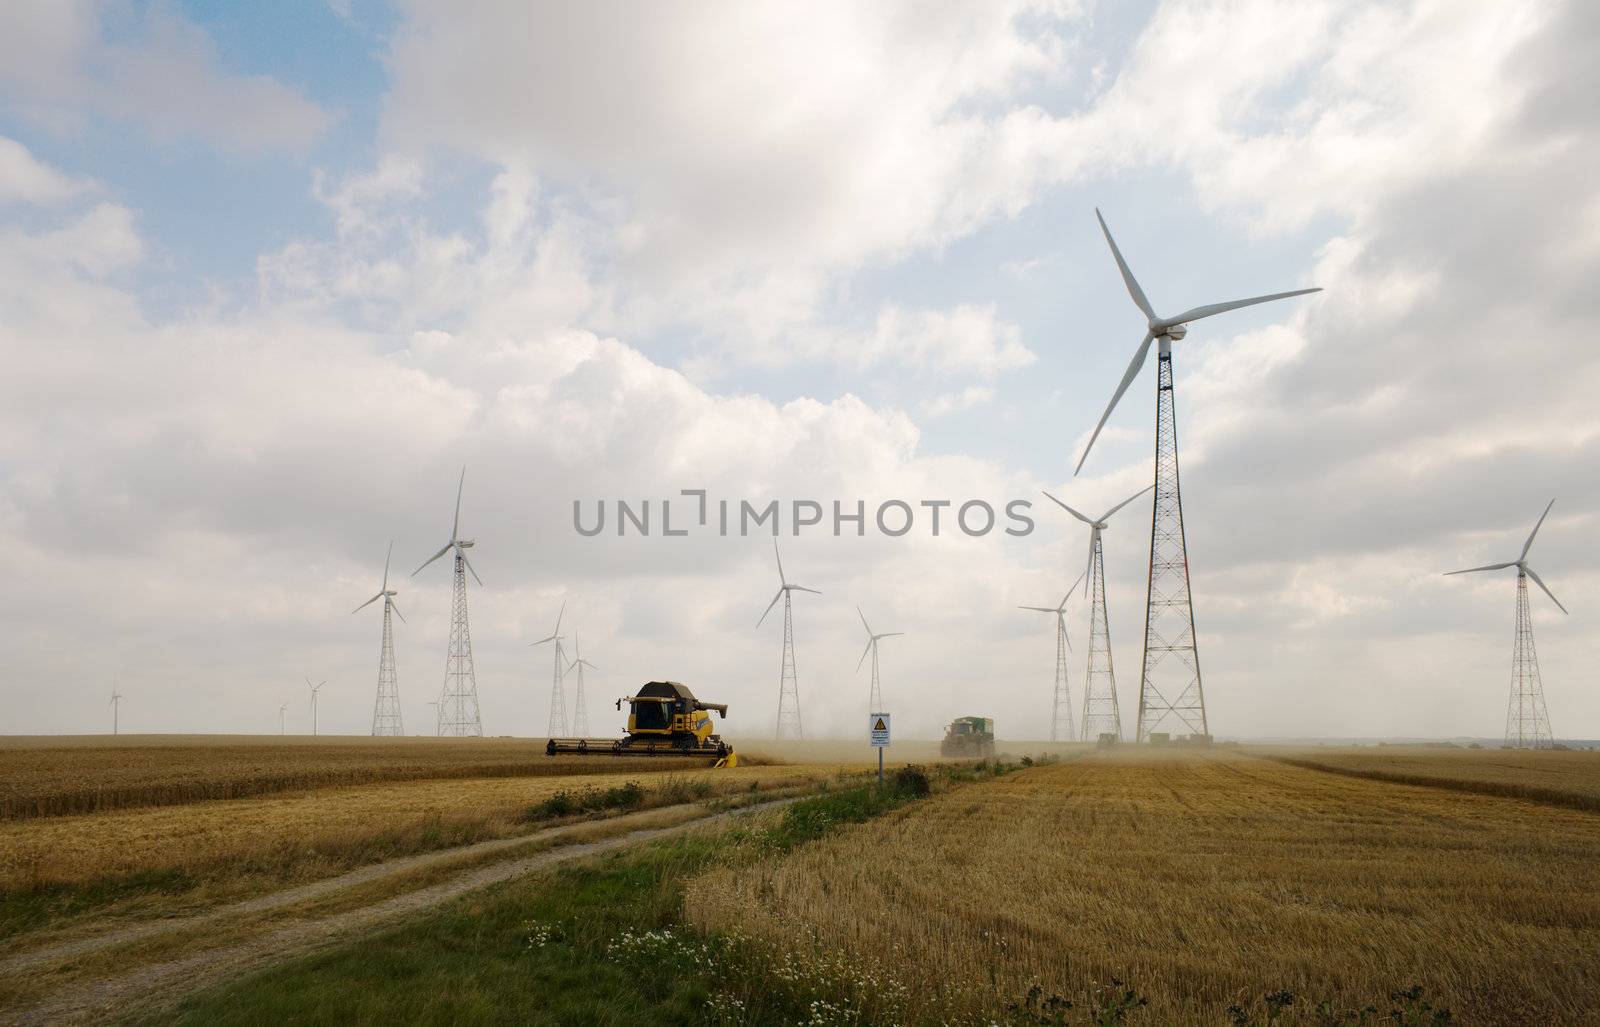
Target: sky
x,y
271,275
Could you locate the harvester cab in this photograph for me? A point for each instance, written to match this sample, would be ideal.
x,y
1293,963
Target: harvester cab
x,y
969,737
664,719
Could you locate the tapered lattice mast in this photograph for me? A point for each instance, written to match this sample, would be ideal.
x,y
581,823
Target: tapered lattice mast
x,y
1527,721
788,683
386,711
558,696
458,703
875,699
1062,727
580,706
1101,715
1171,697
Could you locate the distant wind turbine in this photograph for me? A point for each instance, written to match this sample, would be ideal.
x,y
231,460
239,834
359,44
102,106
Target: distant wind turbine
x,y
1061,712
788,681
558,699
314,690
458,710
283,718
116,708
1527,719
580,702
875,699
386,711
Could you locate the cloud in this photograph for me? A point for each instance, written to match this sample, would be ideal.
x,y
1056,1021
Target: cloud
x,y
59,65
953,402
25,179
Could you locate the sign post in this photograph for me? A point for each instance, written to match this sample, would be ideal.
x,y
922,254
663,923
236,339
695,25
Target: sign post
x,y
878,726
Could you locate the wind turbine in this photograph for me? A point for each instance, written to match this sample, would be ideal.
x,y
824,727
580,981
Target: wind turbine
x,y
314,690
1170,684
435,704
875,701
558,699
1527,720
386,711
580,713
116,708
788,683
1101,713
1062,710
283,718
458,710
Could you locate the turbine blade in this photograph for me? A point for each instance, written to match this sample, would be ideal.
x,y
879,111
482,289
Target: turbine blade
x,y
1529,544
1066,635
864,621
542,641
802,588
770,606
1217,308
1540,582
1486,567
386,565
473,569
1127,380
368,603
1068,509
434,557
1041,609
889,634
864,653
1125,502
781,578
455,525
1127,276
396,608
559,614
1070,590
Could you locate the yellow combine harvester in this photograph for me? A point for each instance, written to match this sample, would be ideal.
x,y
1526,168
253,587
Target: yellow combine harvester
x,y
664,719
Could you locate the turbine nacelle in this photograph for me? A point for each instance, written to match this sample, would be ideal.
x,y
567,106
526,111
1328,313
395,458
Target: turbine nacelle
x,y
1174,332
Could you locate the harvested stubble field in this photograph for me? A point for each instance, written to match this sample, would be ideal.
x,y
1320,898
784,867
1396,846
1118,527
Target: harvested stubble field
x,y
1202,878
63,776
1562,777
902,751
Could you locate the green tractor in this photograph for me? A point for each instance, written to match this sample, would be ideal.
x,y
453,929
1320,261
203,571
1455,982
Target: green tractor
x,y
969,738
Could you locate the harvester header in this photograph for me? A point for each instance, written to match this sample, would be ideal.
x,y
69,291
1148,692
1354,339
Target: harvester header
x,y
664,719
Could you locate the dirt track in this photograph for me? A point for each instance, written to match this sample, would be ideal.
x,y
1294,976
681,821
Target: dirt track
x,y
154,984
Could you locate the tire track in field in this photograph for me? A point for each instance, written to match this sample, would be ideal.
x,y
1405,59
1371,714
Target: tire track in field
x,y
1493,789
149,985
301,893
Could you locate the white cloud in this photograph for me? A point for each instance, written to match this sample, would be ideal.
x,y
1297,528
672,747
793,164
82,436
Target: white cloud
x,y
58,66
26,179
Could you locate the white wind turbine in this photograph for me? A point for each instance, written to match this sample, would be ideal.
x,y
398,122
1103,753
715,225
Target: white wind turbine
x,y
1527,719
386,711
788,682
558,699
116,709
875,698
580,702
283,718
314,690
1063,694
1170,683
458,709
1102,715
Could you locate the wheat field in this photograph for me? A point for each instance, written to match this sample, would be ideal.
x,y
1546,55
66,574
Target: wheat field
x,y
1562,777
1202,878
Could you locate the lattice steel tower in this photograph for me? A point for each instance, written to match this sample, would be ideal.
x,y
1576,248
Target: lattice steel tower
x,y
458,700
558,696
1169,683
1101,714
1062,726
875,694
788,682
580,707
1527,720
386,710
1170,686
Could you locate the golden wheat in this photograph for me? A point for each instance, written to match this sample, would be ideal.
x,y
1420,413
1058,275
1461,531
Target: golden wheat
x,y
96,775
1559,777
1204,878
